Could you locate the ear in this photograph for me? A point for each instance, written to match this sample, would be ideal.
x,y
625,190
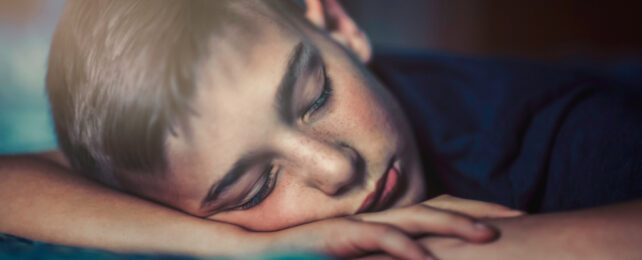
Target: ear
x,y
330,16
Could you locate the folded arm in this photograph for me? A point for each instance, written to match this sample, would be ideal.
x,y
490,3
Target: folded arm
x,y
43,200
610,232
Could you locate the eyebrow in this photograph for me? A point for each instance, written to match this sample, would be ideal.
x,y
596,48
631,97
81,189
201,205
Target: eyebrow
x,y
232,176
300,58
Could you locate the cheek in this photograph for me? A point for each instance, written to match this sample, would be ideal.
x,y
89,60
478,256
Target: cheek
x,y
364,111
289,204
362,115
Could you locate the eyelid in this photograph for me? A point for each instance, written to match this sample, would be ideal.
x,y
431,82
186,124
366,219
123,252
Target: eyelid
x,y
323,97
270,176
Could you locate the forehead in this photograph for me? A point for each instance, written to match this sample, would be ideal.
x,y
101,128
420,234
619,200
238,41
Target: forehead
x,y
235,96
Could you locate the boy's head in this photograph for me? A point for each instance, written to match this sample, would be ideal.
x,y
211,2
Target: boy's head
x,y
251,112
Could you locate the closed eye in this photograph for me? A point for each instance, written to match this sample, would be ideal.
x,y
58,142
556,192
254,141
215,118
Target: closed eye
x,y
269,181
323,97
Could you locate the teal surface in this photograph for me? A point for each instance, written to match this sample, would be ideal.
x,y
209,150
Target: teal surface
x,y
12,247
25,122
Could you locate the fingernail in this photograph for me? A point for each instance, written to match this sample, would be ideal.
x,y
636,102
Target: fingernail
x,y
482,227
488,229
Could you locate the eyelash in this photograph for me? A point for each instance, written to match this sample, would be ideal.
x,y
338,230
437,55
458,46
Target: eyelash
x,y
325,94
264,191
268,184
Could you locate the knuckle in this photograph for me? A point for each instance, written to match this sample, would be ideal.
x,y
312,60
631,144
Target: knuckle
x,y
419,210
445,197
496,208
461,221
455,220
406,246
385,229
499,207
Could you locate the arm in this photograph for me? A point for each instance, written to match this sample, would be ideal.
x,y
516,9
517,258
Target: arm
x,y
611,232
43,200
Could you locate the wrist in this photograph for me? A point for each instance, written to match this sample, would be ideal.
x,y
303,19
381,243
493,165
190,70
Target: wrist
x,y
216,239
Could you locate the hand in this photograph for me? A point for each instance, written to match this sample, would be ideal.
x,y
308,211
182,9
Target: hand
x,y
447,222
607,232
473,208
444,215
346,237
391,231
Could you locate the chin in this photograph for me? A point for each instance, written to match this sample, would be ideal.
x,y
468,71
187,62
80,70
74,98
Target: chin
x,y
416,190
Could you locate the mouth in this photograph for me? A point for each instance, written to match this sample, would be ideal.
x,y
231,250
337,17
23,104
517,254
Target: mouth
x,y
385,190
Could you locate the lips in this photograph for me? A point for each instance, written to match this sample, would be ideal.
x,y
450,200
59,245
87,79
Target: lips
x,y
384,191
389,187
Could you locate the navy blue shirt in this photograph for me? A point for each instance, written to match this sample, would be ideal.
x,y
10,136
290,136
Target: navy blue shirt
x,y
529,136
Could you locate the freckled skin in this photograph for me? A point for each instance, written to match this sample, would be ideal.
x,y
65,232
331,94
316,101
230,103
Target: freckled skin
x,y
318,176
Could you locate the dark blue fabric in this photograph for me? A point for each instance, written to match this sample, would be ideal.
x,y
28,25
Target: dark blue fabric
x,y
526,135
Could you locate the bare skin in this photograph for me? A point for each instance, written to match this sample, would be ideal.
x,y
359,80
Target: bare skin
x,y
609,232
316,157
113,222
80,212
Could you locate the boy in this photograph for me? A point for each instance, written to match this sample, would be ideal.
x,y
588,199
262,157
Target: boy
x,y
155,101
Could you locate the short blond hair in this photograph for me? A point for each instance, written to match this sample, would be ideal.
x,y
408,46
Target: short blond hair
x,y
121,74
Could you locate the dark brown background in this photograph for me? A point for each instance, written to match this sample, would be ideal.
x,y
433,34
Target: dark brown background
x,y
543,30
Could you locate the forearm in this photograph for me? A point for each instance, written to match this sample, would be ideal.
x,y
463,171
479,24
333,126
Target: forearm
x,y
41,200
611,232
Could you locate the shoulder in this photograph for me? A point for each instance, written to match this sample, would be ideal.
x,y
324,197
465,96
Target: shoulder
x,y
596,156
604,117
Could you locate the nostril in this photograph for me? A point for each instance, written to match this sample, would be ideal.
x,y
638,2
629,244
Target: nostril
x,y
359,169
335,168
343,190
348,150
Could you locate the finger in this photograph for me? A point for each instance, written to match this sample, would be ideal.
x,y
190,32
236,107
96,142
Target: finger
x,y
420,219
474,208
393,242
448,248
375,257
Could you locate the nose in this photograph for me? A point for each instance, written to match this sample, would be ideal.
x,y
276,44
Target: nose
x,y
330,166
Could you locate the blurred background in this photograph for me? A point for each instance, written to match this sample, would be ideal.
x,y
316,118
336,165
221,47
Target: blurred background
x,y
550,31
26,27
541,30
